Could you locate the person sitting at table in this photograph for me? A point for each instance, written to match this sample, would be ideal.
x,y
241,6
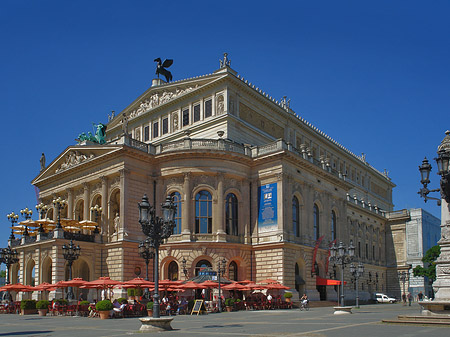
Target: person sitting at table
x,y
120,309
116,303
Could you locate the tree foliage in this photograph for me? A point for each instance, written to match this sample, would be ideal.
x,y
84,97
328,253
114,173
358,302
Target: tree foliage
x,y
2,273
429,261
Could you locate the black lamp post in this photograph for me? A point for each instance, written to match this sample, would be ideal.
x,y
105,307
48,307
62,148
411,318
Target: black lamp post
x,y
8,256
220,271
13,218
97,210
59,203
157,230
342,255
26,213
42,209
442,162
146,252
70,253
403,277
357,272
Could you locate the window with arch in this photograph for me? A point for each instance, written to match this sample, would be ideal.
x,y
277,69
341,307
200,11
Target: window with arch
x,y
316,222
177,202
203,212
173,271
333,225
233,271
295,216
231,214
202,264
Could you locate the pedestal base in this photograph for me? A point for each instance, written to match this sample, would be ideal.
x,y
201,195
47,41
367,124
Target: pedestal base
x,y
342,310
435,308
150,324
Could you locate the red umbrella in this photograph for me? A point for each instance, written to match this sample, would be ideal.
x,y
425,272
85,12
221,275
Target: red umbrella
x,y
254,286
245,282
276,286
12,287
138,282
75,282
269,281
191,285
210,284
234,286
102,282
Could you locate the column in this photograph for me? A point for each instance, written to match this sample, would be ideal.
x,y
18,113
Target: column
x,y
86,202
123,191
218,222
186,214
105,215
69,203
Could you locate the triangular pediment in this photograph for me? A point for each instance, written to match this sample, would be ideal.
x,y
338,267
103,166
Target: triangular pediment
x,y
158,96
74,157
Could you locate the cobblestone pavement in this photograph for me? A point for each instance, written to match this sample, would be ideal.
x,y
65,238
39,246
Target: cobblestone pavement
x,y
365,322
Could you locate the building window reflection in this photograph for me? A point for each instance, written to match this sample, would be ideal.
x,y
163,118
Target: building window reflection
x,y
203,212
177,202
231,214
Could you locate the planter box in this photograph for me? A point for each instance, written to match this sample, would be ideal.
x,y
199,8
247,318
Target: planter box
x,y
42,312
104,314
28,311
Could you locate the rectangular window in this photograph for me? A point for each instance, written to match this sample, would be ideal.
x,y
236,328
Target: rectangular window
x,y
146,133
208,108
196,113
165,125
155,129
185,117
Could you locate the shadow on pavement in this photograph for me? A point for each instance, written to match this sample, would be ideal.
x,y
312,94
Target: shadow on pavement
x,y
25,333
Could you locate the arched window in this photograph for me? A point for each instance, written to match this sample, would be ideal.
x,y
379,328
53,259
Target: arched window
x,y
231,214
295,216
203,212
316,222
177,202
202,265
333,226
233,271
173,271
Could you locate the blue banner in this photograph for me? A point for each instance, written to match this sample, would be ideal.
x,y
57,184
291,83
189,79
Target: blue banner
x,y
267,205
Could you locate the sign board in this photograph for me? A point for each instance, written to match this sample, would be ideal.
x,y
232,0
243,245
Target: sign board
x,y
267,207
198,307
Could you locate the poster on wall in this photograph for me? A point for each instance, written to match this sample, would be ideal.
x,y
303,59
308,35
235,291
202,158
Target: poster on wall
x,y
267,207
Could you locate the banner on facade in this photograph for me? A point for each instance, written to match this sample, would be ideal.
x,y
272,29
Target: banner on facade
x,y
318,241
267,207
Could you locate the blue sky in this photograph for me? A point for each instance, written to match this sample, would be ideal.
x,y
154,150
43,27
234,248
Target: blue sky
x,y
374,75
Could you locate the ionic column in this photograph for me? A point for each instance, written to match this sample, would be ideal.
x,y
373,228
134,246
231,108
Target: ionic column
x,y
186,214
218,224
69,203
86,202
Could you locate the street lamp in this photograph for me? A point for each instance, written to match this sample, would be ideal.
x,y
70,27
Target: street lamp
x,y
403,277
70,253
146,252
442,162
357,272
97,210
8,256
59,203
26,213
42,209
341,255
157,230
13,218
220,271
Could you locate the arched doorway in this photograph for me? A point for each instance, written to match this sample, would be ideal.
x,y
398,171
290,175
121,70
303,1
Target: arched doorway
x,y
202,264
299,278
173,271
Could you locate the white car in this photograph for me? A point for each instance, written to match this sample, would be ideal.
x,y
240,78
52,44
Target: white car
x,y
382,298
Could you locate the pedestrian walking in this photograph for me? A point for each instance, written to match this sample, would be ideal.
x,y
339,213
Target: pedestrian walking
x,y
404,299
409,298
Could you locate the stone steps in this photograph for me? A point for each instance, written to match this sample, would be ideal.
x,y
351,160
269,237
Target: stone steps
x,y
406,319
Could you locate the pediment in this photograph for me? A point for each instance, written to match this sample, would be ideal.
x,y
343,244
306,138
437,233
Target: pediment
x,y
160,95
73,157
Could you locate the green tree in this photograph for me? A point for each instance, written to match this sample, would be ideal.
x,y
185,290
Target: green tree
x,y
2,273
429,261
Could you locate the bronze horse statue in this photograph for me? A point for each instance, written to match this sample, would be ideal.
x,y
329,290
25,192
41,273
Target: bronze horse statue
x,y
161,68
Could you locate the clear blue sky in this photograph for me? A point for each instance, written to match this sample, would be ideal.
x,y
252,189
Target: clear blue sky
x,y
374,75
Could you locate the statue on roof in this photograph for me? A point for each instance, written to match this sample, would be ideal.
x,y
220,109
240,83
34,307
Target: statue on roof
x,y
161,68
42,161
99,137
225,62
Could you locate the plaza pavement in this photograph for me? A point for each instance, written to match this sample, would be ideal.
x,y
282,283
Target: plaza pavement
x,y
365,322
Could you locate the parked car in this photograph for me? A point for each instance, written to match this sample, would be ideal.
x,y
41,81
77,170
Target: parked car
x,y
382,298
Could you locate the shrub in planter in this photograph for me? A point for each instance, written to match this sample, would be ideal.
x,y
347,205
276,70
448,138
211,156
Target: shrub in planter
x,y
121,299
104,305
62,301
131,292
84,303
287,295
229,302
150,305
28,304
43,304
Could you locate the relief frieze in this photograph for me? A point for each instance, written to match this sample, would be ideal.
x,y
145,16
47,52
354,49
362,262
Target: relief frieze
x,y
74,158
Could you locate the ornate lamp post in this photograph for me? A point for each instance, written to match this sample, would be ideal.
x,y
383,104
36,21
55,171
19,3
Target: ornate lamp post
x,y
26,213
342,255
42,209
157,230
8,256
97,210
70,253
59,203
403,277
13,218
146,252
357,272
220,271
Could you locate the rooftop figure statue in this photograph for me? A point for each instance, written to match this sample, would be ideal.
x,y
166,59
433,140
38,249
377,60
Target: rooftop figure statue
x,y
161,68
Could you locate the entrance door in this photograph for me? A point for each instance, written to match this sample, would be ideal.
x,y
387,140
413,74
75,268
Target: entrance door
x,y
322,292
